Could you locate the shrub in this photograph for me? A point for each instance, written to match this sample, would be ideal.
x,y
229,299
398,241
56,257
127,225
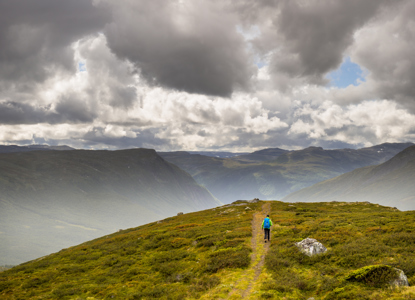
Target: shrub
x,y
228,258
65,289
376,276
205,283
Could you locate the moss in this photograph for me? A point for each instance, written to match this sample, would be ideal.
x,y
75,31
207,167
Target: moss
x,y
378,275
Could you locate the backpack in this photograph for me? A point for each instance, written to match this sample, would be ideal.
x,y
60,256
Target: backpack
x,y
267,223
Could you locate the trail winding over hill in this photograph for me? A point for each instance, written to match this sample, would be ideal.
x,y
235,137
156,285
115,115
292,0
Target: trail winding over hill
x,y
243,287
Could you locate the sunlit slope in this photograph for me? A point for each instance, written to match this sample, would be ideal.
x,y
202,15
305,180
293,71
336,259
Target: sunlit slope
x,y
210,255
253,176
179,257
53,199
356,235
390,183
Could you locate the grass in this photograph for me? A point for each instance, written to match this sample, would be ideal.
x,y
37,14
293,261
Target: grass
x,y
206,255
365,241
182,257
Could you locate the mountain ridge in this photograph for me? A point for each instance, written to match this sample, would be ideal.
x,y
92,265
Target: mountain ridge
x,y
247,177
80,194
388,183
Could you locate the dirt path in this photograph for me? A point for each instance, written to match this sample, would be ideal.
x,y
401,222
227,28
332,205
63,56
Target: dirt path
x,y
259,250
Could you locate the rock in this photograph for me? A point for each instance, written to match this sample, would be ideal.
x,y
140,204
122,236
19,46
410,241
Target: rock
x,y
180,213
247,208
378,275
255,200
311,247
401,280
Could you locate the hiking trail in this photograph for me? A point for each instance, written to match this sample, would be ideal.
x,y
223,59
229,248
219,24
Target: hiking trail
x,y
243,287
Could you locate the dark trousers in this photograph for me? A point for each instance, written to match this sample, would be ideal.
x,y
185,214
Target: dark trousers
x,y
266,232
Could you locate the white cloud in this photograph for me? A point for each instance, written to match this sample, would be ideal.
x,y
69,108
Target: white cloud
x,y
206,74
368,123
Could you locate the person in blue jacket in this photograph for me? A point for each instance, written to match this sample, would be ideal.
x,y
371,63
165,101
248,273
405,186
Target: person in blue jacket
x,y
266,226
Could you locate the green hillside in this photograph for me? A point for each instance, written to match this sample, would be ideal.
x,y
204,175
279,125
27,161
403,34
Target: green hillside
x,y
219,254
276,173
390,183
54,199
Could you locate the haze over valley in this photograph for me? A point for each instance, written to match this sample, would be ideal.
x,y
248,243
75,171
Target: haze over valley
x,y
53,198
136,138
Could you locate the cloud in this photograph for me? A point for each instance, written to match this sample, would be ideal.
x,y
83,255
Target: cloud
x,y
35,36
367,123
190,46
189,75
386,49
304,40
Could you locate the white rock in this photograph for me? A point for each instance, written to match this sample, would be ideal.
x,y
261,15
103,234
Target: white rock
x,y
311,247
402,280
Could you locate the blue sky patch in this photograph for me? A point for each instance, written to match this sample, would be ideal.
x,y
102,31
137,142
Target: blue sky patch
x,y
81,67
348,73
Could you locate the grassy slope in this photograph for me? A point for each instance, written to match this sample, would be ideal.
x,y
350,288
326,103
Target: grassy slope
x,y
202,255
53,199
180,257
356,235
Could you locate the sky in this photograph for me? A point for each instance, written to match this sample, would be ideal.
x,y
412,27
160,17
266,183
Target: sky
x,y
215,75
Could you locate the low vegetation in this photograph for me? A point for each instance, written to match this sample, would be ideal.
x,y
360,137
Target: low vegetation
x,y
365,243
176,258
202,256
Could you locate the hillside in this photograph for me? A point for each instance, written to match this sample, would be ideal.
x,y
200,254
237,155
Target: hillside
x,y
390,183
251,176
53,199
262,155
219,254
15,148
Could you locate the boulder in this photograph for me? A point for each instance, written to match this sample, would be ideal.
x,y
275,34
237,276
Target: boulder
x,y
401,279
379,275
255,200
179,214
311,247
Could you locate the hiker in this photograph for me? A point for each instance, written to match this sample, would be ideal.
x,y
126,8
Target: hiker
x,y
266,226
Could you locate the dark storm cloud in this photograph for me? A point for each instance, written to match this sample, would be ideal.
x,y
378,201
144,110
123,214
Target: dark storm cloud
x,y
20,113
35,35
308,38
193,47
387,50
66,111
320,31
73,110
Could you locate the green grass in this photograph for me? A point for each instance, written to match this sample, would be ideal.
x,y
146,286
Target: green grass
x,y
204,255
181,257
359,238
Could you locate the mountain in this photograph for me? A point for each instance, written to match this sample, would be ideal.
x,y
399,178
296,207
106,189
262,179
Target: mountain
x,y
220,254
15,148
252,176
221,154
262,155
390,183
53,199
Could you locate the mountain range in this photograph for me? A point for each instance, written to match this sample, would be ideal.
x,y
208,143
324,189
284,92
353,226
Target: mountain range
x,y
50,200
390,183
275,173
15,148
